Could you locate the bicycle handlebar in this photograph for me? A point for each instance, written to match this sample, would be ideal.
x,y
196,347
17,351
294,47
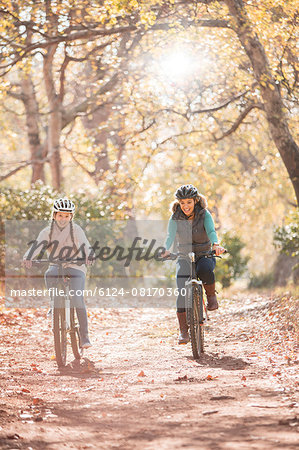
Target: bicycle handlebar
x,y
77,261
174,256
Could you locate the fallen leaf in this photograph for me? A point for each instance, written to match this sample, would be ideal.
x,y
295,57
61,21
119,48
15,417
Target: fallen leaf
x,y
141,374
14,436
207,413
38,419
184,378
222,397
210,377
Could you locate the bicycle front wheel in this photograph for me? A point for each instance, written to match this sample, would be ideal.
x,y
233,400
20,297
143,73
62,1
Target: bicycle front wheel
x,y
74,334
60,341
196,318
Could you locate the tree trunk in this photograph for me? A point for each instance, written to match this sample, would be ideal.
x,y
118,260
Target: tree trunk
x,y
55,119
36,149
54,145
93,124
273,103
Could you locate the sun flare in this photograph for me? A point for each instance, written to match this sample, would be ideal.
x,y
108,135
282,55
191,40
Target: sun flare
x,y
177,64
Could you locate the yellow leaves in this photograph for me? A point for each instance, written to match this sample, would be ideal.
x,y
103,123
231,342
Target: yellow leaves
x,y
147,18
133,4
113,21
269,85
267,82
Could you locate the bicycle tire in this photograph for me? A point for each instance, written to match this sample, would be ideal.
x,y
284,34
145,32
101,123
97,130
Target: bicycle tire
x,y
188,304
74,334
196,321
60,340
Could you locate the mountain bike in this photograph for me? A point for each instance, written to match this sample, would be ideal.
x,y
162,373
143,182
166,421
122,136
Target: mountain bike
x,y
196,309
62,312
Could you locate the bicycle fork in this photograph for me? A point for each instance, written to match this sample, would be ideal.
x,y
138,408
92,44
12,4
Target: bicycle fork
x,y
67,310
67,307
189,285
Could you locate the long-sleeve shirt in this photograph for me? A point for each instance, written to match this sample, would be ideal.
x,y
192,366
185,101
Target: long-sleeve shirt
x,y
62,238
208,224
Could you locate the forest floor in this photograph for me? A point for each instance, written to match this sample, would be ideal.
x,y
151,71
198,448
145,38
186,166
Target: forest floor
x,y
137,389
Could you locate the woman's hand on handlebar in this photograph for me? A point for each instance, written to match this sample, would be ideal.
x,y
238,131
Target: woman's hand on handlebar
x,y
165,254
218,249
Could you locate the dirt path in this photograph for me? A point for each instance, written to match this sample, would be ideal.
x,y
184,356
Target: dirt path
x,y
137,389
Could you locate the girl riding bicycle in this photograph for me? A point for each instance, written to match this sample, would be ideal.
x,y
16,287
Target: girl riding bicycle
x,y
64,239
192,206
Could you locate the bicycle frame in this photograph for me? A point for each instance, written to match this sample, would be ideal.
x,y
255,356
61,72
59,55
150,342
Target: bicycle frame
x,y
196,310
194,279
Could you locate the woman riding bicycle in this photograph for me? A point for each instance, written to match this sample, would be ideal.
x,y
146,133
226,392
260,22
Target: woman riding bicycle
x,y
192,206
64,239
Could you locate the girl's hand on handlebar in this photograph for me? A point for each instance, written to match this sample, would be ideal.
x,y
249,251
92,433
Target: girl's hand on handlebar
x,y
27,263
89,262
165,254
218,249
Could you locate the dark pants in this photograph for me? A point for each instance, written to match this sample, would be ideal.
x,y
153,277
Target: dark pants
x,y
204,270
77,283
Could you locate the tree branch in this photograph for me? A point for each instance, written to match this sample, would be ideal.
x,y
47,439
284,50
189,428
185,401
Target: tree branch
x,y
12,172
69,116
240,119
225,103
62,77
24,164
16,95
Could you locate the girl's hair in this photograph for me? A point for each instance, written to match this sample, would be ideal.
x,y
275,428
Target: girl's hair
x,y
51,231
72,235
201,199
71,232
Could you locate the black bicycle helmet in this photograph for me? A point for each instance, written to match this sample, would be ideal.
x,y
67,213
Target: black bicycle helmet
x,y
186,191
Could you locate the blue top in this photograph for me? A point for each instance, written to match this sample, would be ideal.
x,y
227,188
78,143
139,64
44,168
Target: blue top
x,y
208,224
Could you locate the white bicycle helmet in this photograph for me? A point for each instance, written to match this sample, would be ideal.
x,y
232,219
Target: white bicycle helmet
x,y
64,205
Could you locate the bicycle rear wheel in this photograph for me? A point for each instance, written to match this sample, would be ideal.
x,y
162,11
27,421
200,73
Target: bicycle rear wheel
x,y
74,334
196,317
60,341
